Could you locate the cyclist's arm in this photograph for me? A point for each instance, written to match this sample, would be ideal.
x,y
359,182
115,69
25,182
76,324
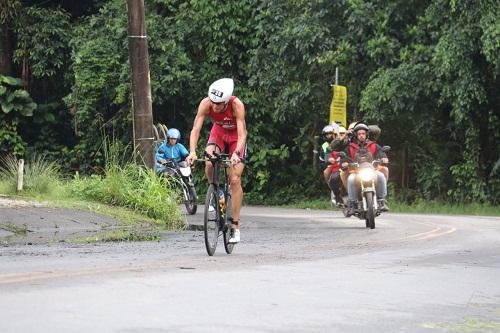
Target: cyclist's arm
x,y
203,111
239,114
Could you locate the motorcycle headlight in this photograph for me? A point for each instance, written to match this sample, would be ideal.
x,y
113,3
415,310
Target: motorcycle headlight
x,y
366,174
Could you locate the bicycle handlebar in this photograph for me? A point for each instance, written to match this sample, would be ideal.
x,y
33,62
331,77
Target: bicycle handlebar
x,y
222,158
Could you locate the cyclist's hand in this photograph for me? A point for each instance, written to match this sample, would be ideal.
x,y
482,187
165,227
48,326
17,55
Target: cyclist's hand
x,y
235,159
163,161
191,158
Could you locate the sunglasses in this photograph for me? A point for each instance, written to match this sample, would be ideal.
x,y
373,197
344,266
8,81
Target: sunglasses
x,y
342,133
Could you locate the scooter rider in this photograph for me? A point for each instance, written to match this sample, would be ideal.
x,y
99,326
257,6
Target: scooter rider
x,y
170,150
373,135
359,151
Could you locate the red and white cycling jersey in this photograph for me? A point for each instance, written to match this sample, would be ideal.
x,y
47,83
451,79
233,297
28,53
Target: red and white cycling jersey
x,y
224,133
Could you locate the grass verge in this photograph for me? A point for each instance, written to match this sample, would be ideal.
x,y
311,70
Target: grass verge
x,y
420,207
130,193
121,236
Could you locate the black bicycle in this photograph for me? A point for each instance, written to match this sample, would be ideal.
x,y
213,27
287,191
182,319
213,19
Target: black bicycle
x,y
218,205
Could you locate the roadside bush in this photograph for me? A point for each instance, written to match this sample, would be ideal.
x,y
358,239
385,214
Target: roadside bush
x,y
134,187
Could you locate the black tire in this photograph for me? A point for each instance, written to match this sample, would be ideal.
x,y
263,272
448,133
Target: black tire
x,y
227,229
190,198
370,213
211,221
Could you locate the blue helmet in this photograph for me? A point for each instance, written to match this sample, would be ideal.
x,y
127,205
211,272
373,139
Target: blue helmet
x,y
173,133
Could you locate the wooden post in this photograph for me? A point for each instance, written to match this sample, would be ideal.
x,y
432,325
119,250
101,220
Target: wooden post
x,y
141,85
20,173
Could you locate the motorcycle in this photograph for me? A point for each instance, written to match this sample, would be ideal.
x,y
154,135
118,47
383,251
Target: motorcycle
x,y
366,177
182,172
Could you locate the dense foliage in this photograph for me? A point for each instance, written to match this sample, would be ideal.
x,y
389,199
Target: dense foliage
x,y
426,71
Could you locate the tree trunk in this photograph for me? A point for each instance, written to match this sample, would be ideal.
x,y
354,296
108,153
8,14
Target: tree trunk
x,y
5,50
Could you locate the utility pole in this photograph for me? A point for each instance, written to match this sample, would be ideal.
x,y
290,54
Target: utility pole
x,y
141,85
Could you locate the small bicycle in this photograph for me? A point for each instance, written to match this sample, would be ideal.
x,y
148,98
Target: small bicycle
x,y
218,205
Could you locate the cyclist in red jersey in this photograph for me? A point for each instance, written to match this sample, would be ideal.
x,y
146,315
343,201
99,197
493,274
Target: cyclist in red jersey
x,y
228,134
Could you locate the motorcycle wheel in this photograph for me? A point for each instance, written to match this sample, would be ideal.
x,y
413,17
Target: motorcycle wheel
x,y
370,213
190,198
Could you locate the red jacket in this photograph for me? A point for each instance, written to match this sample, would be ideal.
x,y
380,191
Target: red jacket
x,y
354,147
335,166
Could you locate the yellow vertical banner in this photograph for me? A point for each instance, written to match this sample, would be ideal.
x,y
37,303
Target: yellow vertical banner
x,y
338,110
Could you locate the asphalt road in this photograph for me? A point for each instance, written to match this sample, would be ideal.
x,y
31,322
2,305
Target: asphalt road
x,y
294,271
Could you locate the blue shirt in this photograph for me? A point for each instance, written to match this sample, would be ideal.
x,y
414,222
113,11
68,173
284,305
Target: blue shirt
x,y
178,152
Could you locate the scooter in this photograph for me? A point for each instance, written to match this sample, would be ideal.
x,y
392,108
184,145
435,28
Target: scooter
x,y
182,172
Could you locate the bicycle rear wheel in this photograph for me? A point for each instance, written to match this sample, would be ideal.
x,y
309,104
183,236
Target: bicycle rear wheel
x,y
211,220
227,228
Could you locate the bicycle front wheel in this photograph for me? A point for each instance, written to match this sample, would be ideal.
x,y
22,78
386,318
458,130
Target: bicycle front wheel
x,y
211,220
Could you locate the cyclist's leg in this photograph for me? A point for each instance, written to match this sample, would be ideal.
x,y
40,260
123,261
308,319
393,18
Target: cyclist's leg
x,y
214,144
235,173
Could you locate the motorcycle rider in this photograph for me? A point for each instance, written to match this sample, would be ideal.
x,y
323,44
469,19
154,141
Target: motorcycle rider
x,y
347,140
373,135
328,134
170,150
364,150
337,145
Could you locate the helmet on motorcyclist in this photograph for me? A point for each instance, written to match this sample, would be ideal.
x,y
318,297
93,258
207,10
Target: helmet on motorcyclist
x,y
361,126
374,132
221,90
342,130
173,133
327,130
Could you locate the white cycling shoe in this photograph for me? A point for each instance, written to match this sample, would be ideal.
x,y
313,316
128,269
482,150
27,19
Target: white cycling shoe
x,y
235,238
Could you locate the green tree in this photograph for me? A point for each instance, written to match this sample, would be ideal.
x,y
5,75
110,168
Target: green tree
x,y
447,83
15,104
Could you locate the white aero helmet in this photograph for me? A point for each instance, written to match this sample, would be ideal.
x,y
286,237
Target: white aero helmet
x,y
221,90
